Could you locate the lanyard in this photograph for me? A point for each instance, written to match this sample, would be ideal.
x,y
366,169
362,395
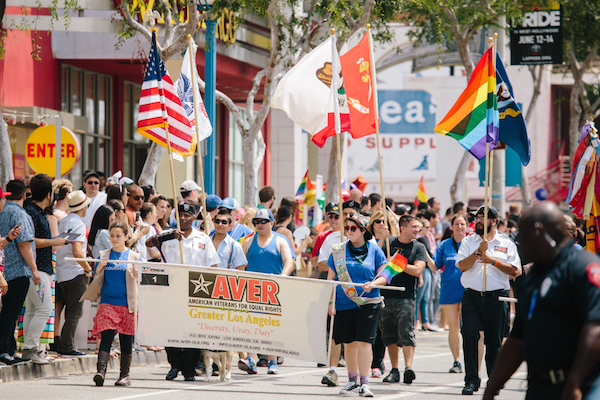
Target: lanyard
x,y
532,304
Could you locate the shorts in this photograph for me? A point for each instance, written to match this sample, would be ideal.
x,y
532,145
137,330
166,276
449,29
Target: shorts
x,y
397,322
356,325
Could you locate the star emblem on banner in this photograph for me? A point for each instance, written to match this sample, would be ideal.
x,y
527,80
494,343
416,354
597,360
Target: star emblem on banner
x,y
201,284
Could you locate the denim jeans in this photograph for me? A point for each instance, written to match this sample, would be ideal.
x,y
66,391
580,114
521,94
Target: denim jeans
x,y
423,298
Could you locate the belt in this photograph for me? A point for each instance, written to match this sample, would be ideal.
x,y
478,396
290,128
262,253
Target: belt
x,y
487,293
552,376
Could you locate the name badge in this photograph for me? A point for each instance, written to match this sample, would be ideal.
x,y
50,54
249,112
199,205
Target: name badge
x,y
501,249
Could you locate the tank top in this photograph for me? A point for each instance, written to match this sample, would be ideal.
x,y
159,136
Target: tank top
x,y
264,259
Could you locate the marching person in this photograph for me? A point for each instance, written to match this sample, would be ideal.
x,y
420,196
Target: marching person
x,y
115,283
451,291
557,326
481,309
397,318
269,253
356,310
230,251
198,249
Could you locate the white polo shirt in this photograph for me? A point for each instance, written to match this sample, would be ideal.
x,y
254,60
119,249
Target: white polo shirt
x,y
333,238
500,247
198,249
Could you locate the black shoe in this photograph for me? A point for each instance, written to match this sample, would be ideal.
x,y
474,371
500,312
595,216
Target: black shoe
x,y
189,378
262,362
12,360
469,389
72,354
409,375
393,377
319,365
477,385
172,374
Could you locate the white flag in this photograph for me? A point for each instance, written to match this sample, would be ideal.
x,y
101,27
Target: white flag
x,y
306,94
184,91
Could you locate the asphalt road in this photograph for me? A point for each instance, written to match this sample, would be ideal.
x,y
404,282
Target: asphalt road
x,y
296,380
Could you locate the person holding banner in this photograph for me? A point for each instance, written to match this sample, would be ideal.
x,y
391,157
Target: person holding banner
x,y
267,252
198,249
356,315
487,264
116,284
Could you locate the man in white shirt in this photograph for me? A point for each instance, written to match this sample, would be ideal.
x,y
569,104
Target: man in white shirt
x,y
198,249
91,184
481,310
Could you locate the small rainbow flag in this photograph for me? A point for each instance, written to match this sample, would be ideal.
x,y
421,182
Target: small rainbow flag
x,y
421,194
474,118
302,188
243,239
395,266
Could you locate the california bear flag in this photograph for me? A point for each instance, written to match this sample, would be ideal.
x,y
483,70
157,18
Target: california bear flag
x,y
306,94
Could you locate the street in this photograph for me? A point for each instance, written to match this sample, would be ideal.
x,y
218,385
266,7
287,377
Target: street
x,y
296,380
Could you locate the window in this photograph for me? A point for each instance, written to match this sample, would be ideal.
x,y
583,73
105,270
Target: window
x,y
136,147
90,94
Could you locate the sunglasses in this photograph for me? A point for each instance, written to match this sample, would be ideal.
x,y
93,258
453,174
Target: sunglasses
x,y
222,222
352,228
334,216
137,198
378,221
260,221
93,182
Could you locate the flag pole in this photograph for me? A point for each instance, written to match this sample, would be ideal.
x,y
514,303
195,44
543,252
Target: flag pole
x,y
338,128
376,107
200,158
166,127
487,187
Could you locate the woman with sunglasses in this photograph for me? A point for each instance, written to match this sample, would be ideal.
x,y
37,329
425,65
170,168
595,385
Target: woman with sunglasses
x,y
451,291
356,310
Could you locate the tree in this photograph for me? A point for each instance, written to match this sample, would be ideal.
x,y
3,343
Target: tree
x,y
296,27
581,39
455,23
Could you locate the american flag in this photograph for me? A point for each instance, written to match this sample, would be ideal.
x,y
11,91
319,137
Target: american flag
x,y
159,101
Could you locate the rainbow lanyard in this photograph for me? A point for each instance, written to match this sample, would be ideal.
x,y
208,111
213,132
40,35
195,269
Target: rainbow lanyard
x,y
532,304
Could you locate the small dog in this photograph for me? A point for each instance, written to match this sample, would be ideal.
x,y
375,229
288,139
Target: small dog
x,y
222,359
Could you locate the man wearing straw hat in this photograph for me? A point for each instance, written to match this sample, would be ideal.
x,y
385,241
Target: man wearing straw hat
x,y
487,265
73,276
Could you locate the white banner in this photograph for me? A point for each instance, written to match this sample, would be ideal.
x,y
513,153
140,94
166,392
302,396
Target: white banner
x,y
220,309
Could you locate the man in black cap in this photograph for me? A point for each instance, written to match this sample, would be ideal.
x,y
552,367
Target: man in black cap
x,y
487,265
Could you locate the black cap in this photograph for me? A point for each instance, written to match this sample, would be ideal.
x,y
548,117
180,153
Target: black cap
x,y
492,212
90,173
352,204
332,208
187,208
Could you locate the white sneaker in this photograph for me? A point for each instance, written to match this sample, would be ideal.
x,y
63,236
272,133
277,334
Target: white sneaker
x,y
364,391
34,356
350,386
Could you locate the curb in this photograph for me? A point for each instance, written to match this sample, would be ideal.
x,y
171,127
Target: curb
x,y
70,366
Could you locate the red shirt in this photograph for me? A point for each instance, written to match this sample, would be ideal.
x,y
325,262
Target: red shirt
x,y
319,242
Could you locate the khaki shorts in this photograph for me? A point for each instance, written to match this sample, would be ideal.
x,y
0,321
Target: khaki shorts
x,y
397,322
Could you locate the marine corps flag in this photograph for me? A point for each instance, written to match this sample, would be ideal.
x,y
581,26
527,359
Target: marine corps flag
x,y
356,68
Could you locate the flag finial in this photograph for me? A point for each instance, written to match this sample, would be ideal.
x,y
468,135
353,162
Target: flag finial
x,y
152,16
333,31
490,40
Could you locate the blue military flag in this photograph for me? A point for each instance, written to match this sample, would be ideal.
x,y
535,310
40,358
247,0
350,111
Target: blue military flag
x,y
513,131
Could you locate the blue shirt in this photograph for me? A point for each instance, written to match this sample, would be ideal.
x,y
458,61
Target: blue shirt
x,y
230,253
239,231
359,273
114,290
43,257
14,263
265,259
451,289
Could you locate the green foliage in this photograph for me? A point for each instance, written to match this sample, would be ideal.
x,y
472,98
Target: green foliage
x,y
581,27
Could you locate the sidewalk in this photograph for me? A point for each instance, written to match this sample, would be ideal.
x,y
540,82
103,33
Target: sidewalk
x,y
70,366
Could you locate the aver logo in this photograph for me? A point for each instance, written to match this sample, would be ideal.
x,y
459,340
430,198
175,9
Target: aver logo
x,y
232,288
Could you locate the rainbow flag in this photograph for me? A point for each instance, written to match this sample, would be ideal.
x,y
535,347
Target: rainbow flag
x,y
474,118
302,188
243,239
421,194
395,266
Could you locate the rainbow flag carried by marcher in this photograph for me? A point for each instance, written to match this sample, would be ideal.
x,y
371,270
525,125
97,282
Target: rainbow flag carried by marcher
x,y
421,196
243,239
302,188
474,118
395,266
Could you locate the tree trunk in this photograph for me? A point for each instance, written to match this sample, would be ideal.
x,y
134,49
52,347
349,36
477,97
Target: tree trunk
x,y
332,190
250,173
6,166
576,111
148,175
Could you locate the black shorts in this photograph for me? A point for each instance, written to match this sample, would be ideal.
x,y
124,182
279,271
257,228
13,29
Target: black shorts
x,y
397,322
358,324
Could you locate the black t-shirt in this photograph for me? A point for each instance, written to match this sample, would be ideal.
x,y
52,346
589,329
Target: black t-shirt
x,y
567,295
413,251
